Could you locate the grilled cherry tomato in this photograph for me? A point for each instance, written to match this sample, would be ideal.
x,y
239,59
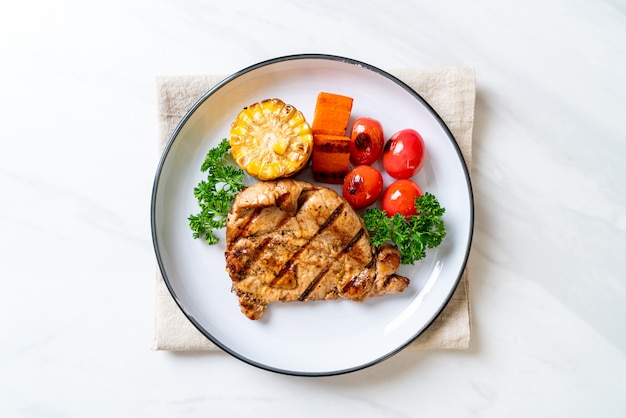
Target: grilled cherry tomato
x,y
362,186
366,141
404,154
400,197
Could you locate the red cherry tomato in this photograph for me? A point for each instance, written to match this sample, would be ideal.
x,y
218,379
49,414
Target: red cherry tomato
x,y
362,186
400,197
404,154
366,141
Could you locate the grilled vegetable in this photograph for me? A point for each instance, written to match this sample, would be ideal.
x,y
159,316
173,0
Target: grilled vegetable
x,y
331,158
331,147
367,140
362,186
400,197
404,154
271,139
332,114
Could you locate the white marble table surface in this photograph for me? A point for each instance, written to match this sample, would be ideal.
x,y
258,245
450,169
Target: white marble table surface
x,y
78,156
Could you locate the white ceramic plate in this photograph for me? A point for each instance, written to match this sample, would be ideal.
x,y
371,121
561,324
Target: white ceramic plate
x,y
313,338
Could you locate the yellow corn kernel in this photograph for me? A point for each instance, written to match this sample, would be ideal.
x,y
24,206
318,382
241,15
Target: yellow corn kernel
x,y
280,146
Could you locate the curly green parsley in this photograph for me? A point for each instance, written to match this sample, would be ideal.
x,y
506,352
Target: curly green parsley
x,y
215,195
413,235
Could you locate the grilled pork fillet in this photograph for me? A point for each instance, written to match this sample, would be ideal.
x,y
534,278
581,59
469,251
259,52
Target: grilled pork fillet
x,y
289,240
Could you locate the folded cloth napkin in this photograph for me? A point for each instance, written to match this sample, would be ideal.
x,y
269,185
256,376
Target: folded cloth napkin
x,y
451,91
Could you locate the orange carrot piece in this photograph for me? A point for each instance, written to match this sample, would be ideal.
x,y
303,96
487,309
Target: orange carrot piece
x,y
331,158
332,114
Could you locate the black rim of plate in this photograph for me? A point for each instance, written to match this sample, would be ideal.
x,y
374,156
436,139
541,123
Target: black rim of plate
x,y
218,86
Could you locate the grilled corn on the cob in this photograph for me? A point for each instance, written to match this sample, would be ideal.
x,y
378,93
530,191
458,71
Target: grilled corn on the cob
x,y
271,139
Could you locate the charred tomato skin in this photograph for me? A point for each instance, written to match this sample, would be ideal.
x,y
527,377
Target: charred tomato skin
x,y
400,197
404,154
362,186
366,141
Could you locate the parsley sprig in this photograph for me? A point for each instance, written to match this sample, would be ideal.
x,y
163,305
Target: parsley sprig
x,y
413,235
215,195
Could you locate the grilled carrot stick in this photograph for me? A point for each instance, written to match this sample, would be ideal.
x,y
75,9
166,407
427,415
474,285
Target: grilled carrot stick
x,y
332,114
331,158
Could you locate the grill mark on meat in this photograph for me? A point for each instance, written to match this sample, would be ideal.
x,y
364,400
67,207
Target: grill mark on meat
x,y
241,230
282,222
331,218
314,283
303,198
287,267
253,256
356,283
353,241
280,200
388,281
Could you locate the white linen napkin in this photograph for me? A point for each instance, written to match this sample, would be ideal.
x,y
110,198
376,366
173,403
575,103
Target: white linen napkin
x,y
451,91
